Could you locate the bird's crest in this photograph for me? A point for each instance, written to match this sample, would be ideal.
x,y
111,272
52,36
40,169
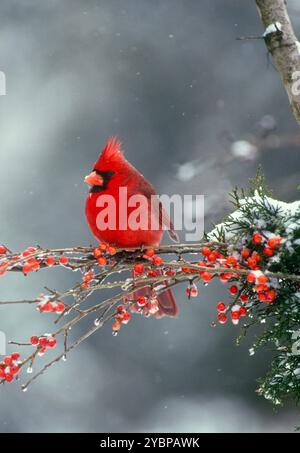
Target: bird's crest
x,y
112,152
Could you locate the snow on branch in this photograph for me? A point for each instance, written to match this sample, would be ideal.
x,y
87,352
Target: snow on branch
x,y
254,253
284,47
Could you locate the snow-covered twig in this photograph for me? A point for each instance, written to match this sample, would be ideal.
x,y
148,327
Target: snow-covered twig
x,y
283,45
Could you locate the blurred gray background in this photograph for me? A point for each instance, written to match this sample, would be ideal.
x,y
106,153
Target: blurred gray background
x,y
197,111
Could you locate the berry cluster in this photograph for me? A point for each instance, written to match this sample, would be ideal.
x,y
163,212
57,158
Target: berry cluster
x,y
103,252
45,305
46,341
10,367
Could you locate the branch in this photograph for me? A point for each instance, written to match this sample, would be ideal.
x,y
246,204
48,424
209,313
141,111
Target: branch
x,y
283,45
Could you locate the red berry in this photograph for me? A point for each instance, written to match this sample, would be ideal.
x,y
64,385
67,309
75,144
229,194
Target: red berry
x,y
206,276
152,273
149,253
43,341
270,295
157,261
51,342
232,260
205,251
268,251
233,289
221,307
50,261
262,279
141,301
244,298
222,318
15,355
112,250
274,241
101,261
14,369
235,315
212,257
59,307
251,278
257,238
243,311
3,250
8,377
26,268
138,268
63,260
34,340
7,360
245,253
125,317
97,253
102,246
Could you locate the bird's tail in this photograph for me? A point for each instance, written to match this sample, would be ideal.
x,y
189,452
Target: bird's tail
x,y
166,301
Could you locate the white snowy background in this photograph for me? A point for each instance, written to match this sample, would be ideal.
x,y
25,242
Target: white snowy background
x,y
188,101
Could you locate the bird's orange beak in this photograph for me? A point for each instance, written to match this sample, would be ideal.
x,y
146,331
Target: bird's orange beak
x,y
93,179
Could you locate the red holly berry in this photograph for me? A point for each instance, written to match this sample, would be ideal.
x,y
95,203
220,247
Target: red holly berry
x,y
268,251
51,342
149,253
233,289
262,279
15,355
3,250
43,341
152,273
235,314
138,268
8,377
244,298
205,251
8,360
102,246
26,268
14,369
221,307
232,260
101,261
222,318
270,295
251,278
125,317
88,276
274,241
257,238
141,301
212,257
34,340
206,276
157,260
63,260
243,311
97,252
112,250
245,253
60,307
50,261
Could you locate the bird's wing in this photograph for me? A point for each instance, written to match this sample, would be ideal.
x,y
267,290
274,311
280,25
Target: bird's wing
x,y
146,189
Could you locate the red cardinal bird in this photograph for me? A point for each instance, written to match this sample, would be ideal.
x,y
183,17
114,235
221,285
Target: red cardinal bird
x,y
110,173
